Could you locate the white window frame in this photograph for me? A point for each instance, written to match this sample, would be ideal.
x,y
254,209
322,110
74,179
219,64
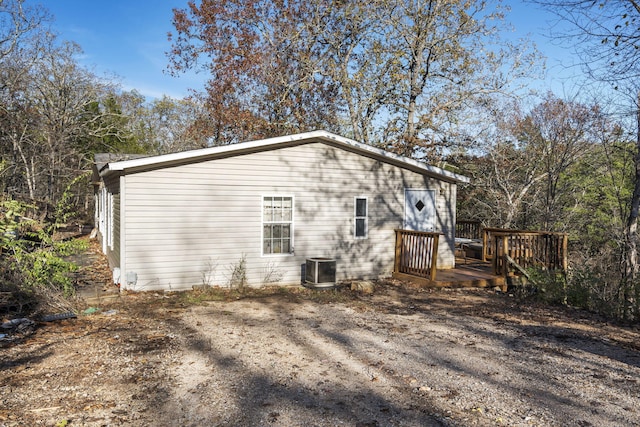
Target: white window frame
x,y
102,218
110,216
291,224
96,213
102,202
356,217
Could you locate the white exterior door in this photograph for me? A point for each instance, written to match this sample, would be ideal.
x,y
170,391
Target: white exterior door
x,y
419,210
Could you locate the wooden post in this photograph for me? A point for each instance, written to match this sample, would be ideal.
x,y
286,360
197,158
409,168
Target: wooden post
x,y
505,254
396,264
434,257
496,258
485,238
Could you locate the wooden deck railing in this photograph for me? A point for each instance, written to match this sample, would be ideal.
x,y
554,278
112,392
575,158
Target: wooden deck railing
x,y
487,235
469,229
526,249
488,249
416,253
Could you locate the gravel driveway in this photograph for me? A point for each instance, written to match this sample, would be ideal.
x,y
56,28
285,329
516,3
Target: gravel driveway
x,y
399,357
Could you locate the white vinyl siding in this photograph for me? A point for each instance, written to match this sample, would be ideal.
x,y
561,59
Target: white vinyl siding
x,y
108,220
182,220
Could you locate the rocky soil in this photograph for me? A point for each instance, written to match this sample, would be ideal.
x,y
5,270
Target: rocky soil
x,y
401,356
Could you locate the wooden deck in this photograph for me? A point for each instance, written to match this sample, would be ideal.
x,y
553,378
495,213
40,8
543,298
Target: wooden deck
x,y
510,252
468,273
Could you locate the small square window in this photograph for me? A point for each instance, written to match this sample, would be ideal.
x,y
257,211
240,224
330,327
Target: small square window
x,y
361,218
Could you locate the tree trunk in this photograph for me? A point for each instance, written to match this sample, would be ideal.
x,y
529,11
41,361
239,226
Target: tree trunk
x,y
29,173
631,289
412,106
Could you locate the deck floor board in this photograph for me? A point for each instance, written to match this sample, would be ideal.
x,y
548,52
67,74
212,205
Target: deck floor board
x,y
468,273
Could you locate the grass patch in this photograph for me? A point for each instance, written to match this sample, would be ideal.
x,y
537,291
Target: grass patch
x,y
201,295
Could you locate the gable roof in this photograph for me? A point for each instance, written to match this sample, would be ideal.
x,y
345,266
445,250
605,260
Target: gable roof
x,y
167,160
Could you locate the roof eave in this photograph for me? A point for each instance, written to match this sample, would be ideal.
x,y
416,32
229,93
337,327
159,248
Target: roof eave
x,y
321,135
400,160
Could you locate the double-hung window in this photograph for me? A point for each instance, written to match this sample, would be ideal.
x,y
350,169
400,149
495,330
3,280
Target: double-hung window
x,y
361,222
277,225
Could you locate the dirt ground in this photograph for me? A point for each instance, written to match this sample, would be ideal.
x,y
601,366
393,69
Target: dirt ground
x,y
401,356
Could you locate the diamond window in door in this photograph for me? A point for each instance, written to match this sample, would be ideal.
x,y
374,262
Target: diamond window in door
x,y
420,210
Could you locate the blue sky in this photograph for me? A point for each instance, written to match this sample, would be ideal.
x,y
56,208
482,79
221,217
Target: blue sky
x,y
128,38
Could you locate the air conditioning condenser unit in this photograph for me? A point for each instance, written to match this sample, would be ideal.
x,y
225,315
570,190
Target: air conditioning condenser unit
x,y
320,272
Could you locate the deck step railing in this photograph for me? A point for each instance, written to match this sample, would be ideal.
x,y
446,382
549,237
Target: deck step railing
x,y
416,253
488,248
527,249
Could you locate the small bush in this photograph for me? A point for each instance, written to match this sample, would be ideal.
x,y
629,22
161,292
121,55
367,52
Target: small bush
x,y
602,292
584,287
32,264
208,272
542,285
551,286
238,273
46,268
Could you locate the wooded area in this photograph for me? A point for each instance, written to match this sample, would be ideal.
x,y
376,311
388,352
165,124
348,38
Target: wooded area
x,y
431,80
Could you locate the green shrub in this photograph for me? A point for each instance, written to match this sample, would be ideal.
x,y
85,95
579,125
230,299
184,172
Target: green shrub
x,y
548,286
603,291
585,287
32,264
46,267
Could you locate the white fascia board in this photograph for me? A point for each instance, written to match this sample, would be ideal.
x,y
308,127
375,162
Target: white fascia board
x,y
206,152
273,142
385,155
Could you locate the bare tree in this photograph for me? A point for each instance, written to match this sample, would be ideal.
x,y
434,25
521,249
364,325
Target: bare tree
x,y
392,72
557,133
606,35
410,71
444,62
168,125
16,22
521,173
49,111
62,94
505,180
262,58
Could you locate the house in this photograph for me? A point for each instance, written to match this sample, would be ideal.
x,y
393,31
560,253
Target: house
x,y
253,212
